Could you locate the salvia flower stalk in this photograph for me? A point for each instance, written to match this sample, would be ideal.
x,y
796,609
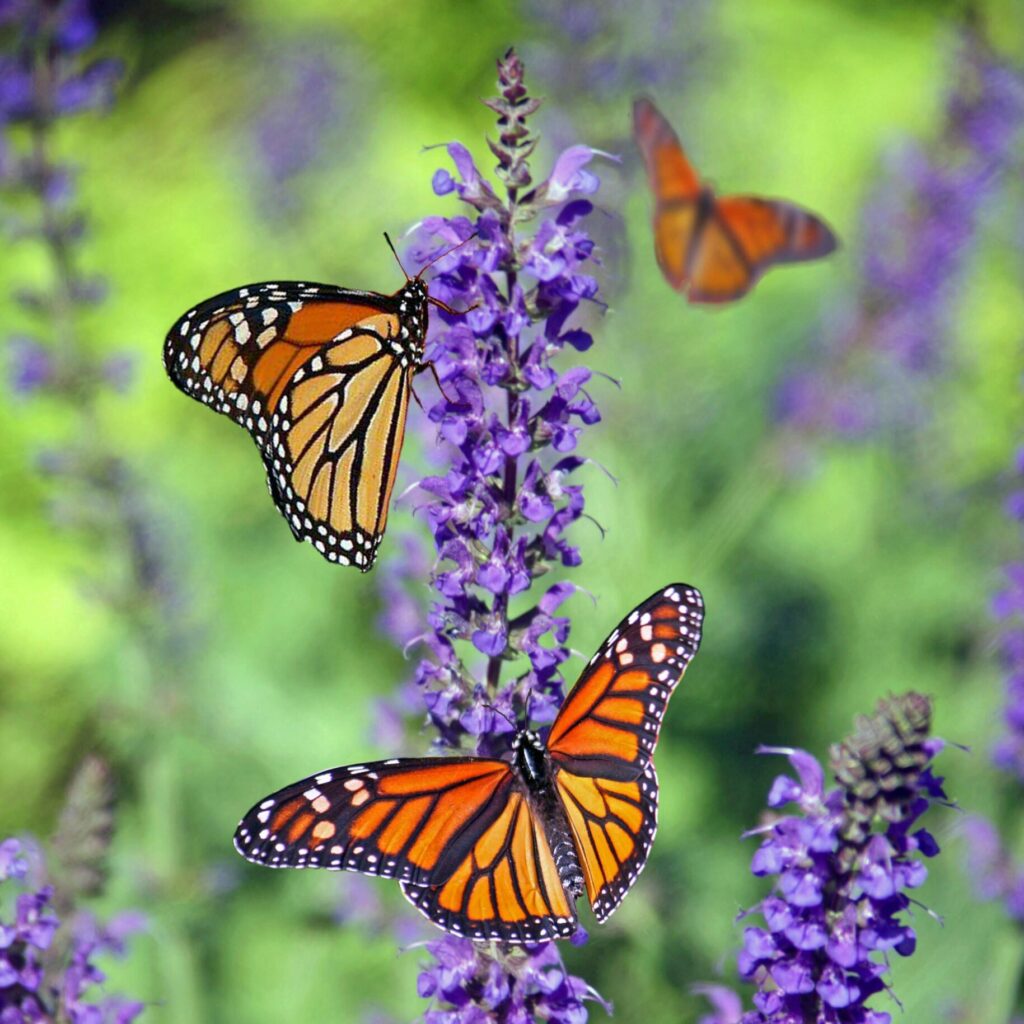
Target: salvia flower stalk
x,y
46,76
48,945
501,504
843,863
995,871
919,229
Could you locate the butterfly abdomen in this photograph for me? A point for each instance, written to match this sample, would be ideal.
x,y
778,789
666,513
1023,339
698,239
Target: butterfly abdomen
x,y
534,767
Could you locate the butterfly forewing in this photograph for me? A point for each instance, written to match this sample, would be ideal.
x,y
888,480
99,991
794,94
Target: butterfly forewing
x,y
320,377
613,824
608,725
406,818
603,740
671,177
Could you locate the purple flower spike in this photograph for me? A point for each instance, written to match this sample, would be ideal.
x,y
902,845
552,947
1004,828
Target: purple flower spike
x,y
843,866
473,984
918,232
34,931
500,508
502,497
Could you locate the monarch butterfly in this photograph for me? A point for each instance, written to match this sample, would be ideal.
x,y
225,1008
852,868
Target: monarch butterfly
x,y
713,248
494,849
320,377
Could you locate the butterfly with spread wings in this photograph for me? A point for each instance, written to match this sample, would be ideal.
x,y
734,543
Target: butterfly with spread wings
x,y
715,249
494,849
320,377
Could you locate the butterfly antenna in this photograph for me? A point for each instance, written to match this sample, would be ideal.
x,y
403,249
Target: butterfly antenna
x,y
447,252
387,238
498,711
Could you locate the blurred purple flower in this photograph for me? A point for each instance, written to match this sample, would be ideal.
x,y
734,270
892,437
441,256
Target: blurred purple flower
x,y
918,230
303,121
616,50
991,866
26,941
993,871
30,367
1008,608
842,867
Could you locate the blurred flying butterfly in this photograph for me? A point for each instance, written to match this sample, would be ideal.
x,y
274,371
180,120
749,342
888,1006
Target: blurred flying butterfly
x,y
715,249
320,377
494,849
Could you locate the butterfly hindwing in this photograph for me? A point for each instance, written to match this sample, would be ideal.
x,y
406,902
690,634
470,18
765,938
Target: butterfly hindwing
x,y
506,887
608,725
408,818
613,824
320,377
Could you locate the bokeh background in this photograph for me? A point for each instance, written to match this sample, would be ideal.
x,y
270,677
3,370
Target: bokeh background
x,y
833,483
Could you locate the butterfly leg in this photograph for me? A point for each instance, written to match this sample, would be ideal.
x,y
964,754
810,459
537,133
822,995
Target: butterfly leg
x,y
432,367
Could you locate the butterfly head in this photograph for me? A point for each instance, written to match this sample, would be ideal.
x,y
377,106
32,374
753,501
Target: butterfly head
x,y
412,307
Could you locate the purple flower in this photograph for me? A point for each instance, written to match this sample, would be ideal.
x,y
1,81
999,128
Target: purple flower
x,y
843,866
474,984
300,124
993,870
26,941
499,510
919,227
30,366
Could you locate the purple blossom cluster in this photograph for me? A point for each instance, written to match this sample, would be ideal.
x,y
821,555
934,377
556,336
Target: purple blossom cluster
x,y
918,231
509,421
45,76
518,987
993,870
47,969
843,866
306,108
647,46
503,496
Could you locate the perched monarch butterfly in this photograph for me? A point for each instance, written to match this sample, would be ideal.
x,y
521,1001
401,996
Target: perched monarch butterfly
x,y
713,248
320,378
493,849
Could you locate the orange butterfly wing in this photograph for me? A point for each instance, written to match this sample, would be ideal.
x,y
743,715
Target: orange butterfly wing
x,y
744,236
320,378
506,887
458,833
603,740
408,818
716,249
676,189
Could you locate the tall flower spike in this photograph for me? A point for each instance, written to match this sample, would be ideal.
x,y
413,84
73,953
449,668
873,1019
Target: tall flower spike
x,y
502,502
994,870
919,229
843,867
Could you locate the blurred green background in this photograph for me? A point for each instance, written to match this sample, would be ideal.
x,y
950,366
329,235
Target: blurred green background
x,y
831,580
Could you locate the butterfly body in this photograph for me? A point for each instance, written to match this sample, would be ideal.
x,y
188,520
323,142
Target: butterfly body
x,y
320,377
536,772
502,849
715,248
